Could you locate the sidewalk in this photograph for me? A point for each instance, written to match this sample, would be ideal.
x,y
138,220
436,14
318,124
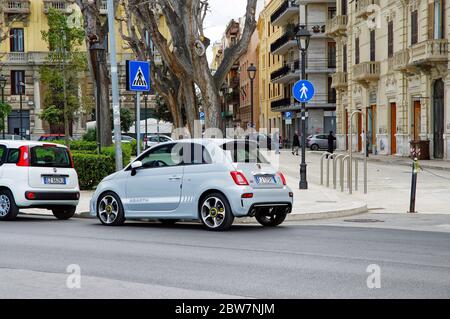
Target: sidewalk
x,y
389,184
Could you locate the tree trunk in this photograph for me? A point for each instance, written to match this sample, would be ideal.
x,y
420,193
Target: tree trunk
x,y
190,104
105,109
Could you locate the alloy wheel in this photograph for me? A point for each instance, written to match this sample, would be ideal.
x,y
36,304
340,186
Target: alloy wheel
x,y
5,205
213,212
108,209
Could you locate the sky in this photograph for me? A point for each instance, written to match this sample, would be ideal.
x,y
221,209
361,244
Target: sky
x,y
221,12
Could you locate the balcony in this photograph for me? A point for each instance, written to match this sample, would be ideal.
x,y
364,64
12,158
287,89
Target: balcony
x,y
364,8
336,26
286,11
401,60
16,7
285,42
428,54
366,72
286,74
60,5
340,81
281,105
104,7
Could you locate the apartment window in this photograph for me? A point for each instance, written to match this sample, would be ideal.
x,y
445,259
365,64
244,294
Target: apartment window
x,y
414,27
16,40
390,39
344,58
331,91
436,25
344,7
268,28
357,51
331,12
372,46
331,55
16,78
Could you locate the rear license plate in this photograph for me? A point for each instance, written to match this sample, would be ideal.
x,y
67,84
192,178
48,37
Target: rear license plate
x,y
265,180
54,180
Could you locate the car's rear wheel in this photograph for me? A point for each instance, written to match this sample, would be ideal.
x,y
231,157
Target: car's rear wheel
x,y
215,212
8,207
110,210
64,213
314,147
271,217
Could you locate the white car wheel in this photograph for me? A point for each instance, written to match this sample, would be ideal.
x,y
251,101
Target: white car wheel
x,y
5,205
216,213
110,210
8,207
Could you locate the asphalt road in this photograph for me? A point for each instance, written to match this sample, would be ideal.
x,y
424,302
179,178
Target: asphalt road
x,y
326,259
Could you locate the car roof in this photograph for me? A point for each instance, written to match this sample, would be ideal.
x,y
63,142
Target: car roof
x,y
18,143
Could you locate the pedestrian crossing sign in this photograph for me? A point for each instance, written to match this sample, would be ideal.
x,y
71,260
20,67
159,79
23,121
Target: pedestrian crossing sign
x,y
138,76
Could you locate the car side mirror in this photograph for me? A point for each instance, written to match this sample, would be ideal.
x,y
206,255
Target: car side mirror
x,y
134,166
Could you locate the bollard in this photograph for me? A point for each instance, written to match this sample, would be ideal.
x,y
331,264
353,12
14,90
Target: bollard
x,y
330,157
365,175
412,201
346,158
336,159
321,166
356,174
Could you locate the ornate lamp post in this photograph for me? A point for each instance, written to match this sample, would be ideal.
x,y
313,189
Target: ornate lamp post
x,y
251,74
99,50
303,38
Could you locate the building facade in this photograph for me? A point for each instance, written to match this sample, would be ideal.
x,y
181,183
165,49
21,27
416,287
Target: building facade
x,y
249,58
23,53
392,75
283,20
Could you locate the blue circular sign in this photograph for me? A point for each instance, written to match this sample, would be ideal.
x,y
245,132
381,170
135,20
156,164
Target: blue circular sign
x,y
303,91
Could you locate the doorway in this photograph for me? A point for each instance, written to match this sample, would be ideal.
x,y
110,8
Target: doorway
x,y
417,121
393,128
438,115
359,132
14,123
371,130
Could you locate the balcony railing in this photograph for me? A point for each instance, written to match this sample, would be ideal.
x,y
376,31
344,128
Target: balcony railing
x,y
429,51
366,72
289,70
365,7
339,81
60,5
287,9
283,103
287,40
336,26
16,6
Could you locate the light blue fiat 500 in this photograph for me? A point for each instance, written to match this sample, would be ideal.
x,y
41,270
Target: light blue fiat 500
x,y
212,180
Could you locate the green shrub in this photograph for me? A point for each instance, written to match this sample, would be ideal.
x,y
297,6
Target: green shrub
x,y
92,168
111,151
90,135
80,145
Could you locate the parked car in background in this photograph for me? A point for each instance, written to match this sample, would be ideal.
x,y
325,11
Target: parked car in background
x,y
37,175
125,139
12,137
153,139
214,180
318,142
53,137
263,140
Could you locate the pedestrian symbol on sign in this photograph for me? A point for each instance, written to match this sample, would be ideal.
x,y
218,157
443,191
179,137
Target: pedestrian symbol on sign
x,y
139,79
303,92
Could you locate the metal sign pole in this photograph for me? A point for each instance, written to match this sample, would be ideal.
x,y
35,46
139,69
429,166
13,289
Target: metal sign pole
x,y
138,122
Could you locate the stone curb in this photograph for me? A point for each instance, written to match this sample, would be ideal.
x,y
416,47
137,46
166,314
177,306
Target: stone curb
x,y
291,217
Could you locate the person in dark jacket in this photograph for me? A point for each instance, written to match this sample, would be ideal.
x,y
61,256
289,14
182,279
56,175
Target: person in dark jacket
x,y
331,140
295,144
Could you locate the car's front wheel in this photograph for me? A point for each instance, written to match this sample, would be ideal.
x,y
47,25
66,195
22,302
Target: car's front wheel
x,y
110,210
64,213
314,147
215,212
8,207
271,217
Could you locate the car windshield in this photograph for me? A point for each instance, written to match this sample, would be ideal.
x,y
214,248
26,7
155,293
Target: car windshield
x,y
244,152
50,156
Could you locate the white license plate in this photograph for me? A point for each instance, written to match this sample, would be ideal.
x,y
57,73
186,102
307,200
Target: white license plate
x,y
54,180
265,180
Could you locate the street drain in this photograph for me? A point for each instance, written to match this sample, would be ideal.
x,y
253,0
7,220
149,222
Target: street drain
x,y
363,220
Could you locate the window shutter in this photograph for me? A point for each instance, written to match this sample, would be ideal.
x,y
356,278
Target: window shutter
x,y
431,21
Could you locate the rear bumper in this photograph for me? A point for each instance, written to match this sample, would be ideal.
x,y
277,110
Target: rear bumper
x,y
50,196
47,199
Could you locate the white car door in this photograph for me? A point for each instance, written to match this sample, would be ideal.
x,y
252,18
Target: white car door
x,y
156,186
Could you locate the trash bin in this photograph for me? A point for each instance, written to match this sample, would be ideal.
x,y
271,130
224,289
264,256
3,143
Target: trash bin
x,y
422,148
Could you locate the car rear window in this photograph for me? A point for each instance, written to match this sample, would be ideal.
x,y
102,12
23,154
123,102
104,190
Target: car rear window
x,y
2,153
244,152
50,156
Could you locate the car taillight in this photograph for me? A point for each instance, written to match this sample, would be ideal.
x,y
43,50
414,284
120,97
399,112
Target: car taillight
x,y
247,195
239,178
24,156
283,179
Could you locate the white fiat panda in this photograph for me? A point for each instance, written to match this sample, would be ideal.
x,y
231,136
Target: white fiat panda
x,y
37,175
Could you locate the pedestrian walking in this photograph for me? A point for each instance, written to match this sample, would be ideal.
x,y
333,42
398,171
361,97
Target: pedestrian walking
x,y
295,144
276,138
331,140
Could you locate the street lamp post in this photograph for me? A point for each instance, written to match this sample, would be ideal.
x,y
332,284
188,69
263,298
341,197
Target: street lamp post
x,y
2,86
251,74
21,91
224,89
99,50
303,37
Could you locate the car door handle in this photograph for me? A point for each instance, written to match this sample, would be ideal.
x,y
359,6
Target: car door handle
x,y
174,178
